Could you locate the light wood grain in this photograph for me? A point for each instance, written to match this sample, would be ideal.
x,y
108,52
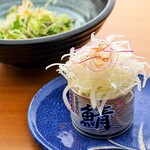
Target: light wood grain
x,y
17,87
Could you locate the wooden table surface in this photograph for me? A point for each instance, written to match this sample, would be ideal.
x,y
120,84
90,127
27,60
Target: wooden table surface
x,y
17,86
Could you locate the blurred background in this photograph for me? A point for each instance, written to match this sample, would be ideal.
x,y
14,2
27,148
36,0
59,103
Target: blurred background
x,y
18,86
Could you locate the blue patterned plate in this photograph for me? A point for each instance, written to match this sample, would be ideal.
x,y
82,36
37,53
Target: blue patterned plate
x,y
50,124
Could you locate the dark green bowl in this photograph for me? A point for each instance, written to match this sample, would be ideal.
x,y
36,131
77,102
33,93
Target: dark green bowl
x,y
90,15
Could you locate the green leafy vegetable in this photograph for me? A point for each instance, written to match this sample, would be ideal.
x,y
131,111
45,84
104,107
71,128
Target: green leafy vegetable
x,y
28,21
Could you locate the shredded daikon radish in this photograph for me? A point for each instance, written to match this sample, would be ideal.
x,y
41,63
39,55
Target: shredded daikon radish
x,y
104,70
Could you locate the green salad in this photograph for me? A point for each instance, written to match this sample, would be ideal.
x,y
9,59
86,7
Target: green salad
x,y
27,21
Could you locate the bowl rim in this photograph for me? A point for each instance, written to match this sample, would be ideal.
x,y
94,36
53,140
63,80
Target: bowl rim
x,y
100,17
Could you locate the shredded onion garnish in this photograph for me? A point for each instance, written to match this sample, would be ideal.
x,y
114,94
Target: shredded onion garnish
x,y
103,70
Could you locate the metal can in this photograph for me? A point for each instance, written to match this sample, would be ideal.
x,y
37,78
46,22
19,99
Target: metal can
x,y
116,117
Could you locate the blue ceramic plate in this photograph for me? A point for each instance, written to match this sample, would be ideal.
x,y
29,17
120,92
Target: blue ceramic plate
x,y
50,124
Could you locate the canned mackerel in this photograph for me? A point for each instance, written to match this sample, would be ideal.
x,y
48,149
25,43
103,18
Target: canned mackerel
x,y
106,72
116,117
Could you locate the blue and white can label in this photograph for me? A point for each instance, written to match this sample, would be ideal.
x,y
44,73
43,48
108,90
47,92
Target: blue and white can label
x,y
116,117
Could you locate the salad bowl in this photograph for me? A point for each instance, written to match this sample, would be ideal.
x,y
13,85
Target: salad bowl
x,y
89,16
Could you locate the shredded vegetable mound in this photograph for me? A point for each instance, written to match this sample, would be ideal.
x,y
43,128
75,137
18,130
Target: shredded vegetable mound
x,y
103,70
28,21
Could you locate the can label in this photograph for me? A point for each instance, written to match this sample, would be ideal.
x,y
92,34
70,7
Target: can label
x,y
116,117
92,119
